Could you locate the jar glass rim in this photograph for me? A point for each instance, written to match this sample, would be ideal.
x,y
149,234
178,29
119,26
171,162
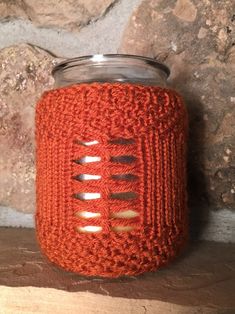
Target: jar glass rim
x,y
102,58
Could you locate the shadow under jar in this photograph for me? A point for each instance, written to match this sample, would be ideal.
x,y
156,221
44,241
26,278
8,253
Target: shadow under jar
x,y
111,167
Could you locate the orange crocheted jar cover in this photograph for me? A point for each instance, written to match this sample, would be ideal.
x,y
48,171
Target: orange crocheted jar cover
x,y
139,135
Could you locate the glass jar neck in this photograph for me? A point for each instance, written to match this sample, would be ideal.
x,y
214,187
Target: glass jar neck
x,y
110,68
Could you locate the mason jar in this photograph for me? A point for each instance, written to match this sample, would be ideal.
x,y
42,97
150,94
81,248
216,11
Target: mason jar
x,y
111,167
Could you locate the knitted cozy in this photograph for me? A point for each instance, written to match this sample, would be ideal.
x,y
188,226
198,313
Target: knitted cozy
x,y
134,193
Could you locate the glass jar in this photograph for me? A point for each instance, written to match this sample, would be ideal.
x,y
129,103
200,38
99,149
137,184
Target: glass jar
x,y
111,167
110,68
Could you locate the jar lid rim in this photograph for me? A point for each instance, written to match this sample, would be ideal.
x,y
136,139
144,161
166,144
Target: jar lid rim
x,y
106,57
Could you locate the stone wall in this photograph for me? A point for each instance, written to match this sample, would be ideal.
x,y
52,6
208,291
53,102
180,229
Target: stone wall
x,y
195,38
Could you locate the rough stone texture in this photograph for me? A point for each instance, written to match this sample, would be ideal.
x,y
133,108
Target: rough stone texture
x,y
24,75
29,300
196,38
69,14
16,218
203,278
102,36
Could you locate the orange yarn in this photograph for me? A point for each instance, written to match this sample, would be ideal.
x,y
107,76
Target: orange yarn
x,y
152,125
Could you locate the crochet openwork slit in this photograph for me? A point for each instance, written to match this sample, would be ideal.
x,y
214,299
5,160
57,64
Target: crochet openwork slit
x,y
111,177
126,214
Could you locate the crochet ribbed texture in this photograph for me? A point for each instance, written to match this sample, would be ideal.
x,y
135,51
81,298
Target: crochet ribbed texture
x,y
136,136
